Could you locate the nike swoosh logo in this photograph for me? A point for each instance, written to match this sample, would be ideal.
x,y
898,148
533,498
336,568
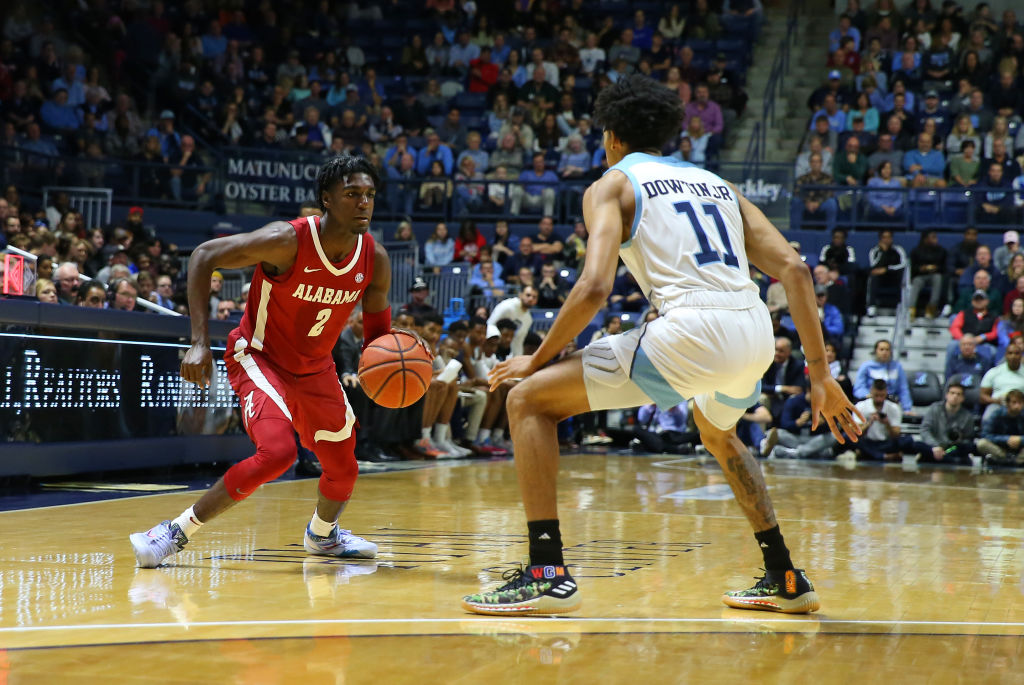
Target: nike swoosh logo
x,y
309,271
242,492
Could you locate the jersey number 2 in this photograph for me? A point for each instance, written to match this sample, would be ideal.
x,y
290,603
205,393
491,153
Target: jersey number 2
x,y
321,321
707,254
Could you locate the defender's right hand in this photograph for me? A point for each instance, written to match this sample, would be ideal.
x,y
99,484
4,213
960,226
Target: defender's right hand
x,y
197,366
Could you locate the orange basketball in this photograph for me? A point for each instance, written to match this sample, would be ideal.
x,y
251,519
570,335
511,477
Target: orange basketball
x,y
395,370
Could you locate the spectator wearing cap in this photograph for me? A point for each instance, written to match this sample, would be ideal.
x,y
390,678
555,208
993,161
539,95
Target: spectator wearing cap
x,y
925,165
977,321
828,314
833,86
435,151
1004,253
170,141
417,305
932,108
119,257
981,279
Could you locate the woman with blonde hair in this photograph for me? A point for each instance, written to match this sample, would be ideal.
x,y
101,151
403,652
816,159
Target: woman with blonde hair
x,y
963,130
1000,131
46,291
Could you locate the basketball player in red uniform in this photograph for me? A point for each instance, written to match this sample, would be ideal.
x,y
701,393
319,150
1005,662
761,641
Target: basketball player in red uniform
x,y
310,274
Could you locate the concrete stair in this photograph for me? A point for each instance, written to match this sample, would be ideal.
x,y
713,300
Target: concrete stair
x,y
806,72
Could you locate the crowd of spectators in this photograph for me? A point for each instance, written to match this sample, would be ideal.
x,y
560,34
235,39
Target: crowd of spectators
x,y
920,96
441,96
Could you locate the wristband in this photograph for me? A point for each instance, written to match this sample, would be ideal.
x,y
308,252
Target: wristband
x,y
375,324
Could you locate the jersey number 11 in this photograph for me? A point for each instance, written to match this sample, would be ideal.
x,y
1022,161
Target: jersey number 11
x,y
707,254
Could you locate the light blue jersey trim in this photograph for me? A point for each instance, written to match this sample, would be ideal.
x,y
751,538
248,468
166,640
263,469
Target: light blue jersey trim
x,y
625,165
650,380
740,402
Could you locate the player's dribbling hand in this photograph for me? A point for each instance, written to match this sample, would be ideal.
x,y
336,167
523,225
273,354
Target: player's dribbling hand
x,y
197,366
829,401
421,341
513,367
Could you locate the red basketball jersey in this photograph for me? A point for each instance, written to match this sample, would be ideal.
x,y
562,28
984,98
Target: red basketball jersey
x,y
294,319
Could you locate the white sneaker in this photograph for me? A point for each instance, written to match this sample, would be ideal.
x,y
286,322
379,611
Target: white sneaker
x,y
946,311
451,448
872,310
340,543
157,543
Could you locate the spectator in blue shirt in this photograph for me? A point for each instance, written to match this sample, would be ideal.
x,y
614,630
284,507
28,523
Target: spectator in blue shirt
x,y
932,108
925,165
846,28
34,142
214,44
831,111
461,54
575,160
660,431
434,151
170,141
536,189
71,83
885,200
885,368
439,248
968,357
57,115
829,315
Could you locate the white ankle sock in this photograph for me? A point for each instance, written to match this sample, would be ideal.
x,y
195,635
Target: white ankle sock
x,y
484,435
188,522
320,527
438,432
426,433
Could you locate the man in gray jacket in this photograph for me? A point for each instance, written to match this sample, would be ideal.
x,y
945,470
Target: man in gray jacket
x,y
948,428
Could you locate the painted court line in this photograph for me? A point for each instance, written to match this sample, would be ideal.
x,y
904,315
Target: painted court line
x,y
504,619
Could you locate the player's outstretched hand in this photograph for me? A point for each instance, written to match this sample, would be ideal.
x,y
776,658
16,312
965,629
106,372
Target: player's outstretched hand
x,y
197,366
829,401
421,341
513,367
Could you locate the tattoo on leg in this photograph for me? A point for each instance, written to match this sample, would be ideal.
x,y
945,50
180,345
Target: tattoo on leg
x,y
747,482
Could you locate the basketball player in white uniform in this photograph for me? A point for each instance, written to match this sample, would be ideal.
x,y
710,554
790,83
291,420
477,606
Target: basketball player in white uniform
x,y
686,235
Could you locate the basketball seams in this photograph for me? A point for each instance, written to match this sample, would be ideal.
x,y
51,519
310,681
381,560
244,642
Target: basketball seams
x,y
392,358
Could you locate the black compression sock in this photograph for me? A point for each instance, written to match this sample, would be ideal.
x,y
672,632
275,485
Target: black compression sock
x,y
545,543
773,547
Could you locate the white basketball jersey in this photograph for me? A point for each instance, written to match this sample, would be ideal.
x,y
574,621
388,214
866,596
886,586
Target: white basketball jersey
x,y
686,246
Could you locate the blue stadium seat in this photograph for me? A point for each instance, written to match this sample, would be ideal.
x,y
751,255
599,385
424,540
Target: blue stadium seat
x,y
701,48
471,101
733,46
543,318
954,209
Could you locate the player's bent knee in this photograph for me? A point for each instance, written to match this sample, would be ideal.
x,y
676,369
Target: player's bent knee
x,y
340,472
275,452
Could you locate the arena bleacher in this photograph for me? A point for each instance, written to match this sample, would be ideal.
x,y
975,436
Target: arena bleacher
x,y
130,135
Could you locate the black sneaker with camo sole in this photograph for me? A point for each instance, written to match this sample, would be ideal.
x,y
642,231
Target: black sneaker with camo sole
x,y
788,592
529,590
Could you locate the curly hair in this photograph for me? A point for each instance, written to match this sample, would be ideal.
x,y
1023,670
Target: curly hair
x,y
641,112
336,169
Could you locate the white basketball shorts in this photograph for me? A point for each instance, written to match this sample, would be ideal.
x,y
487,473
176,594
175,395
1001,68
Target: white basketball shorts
x,y
714,356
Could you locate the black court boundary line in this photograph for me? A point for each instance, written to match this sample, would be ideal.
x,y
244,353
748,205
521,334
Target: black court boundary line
x,y
810,633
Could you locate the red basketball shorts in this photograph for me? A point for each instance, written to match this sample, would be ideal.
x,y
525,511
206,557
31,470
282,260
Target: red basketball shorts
x,y
315,404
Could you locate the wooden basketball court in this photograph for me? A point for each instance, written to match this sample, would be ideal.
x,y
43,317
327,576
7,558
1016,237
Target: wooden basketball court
x,y
920,576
